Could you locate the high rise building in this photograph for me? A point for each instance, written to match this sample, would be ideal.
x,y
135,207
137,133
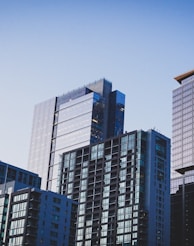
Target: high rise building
x,y
81,117
40,218
30,216
122,186
183,125
182,182
11,179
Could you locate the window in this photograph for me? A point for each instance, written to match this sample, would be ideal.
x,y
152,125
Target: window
x,y
56,200
20,197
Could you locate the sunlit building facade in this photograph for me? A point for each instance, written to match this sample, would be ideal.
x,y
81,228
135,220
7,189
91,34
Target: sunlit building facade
x,y
81,117
182,171
122,186
183,125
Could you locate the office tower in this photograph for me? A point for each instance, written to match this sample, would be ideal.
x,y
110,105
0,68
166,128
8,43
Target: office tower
x,y
122,186
182,181
81,117
183,125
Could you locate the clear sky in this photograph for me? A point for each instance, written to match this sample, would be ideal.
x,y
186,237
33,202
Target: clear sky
x,y
48,48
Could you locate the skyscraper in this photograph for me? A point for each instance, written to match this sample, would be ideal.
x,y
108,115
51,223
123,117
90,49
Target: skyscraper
x,y
122,186
183,125
86,115
182,182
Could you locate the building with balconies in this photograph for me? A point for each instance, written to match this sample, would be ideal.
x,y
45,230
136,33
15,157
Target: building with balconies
x,y
30,216
40,218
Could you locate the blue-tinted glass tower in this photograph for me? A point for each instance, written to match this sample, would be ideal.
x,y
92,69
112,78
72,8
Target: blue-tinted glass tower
x,y
83,116
122,186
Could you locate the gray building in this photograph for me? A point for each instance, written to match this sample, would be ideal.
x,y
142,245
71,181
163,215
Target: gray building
x,y
81,117
122,186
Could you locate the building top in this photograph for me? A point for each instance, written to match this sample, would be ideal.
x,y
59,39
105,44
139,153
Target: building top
x,y
8,166
102,86
183,76
21,176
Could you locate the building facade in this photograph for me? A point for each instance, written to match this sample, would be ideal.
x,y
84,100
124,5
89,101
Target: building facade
x,y
81,117
182,182
40,218
12,179
122,186
182,216
22,177
30,216
183,125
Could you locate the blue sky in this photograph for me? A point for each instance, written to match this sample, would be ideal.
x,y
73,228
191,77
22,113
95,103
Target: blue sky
x,y
49,47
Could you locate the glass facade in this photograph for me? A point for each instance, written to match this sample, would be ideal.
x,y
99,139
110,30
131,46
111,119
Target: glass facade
x,y
121,188
73,120
182,182
41,137
183,125
116,118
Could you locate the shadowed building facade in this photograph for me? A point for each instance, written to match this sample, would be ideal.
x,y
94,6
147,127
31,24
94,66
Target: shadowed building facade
x,y
30,216
182,215
12,179
40,218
